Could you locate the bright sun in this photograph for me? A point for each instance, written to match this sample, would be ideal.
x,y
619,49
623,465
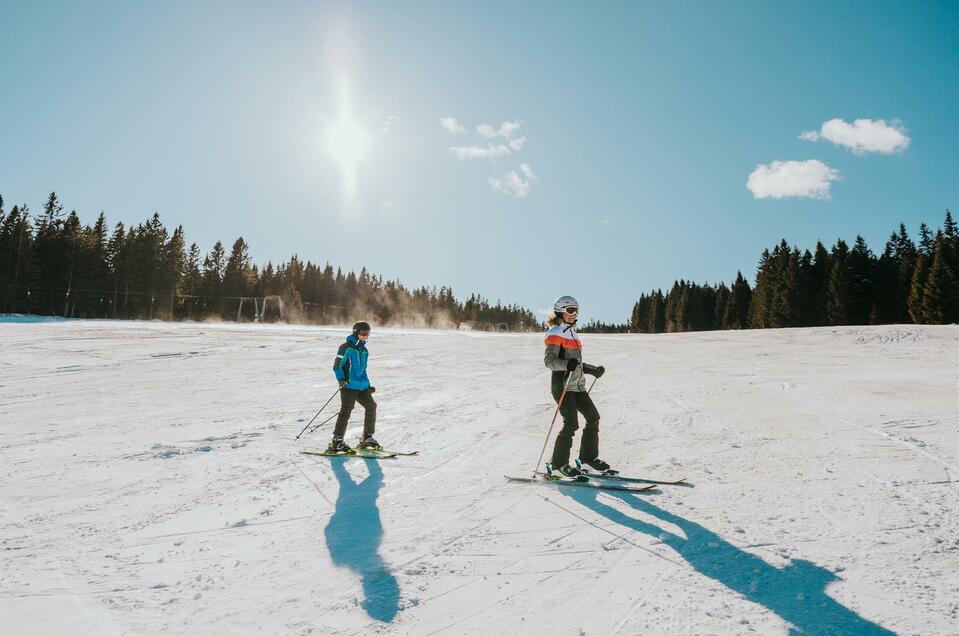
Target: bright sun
x,y
347,143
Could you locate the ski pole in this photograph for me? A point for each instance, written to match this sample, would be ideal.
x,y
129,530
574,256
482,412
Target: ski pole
x,y
551,424
338,388
322,423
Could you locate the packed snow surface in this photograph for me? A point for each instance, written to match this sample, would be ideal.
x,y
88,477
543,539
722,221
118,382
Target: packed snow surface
x,y
150,483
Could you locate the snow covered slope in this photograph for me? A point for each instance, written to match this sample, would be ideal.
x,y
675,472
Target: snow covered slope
x,y
149,482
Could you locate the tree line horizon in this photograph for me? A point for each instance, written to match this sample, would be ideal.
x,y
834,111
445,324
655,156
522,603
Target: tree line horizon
x,y
910,283
52,264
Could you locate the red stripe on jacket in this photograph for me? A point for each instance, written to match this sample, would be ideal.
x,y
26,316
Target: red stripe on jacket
x,y
569,343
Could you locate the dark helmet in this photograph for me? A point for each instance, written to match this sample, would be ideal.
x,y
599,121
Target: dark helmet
x,y
361,326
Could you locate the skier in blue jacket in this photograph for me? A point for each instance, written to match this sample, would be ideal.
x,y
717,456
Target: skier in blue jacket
x,y
350,370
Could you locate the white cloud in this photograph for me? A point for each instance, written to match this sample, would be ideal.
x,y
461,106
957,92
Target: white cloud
x,y
512,183
515,183
452,126
390,120
780,179
863,135
478,152
506,130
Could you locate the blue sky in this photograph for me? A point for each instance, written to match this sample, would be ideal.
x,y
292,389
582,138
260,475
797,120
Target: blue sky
x,y
640,124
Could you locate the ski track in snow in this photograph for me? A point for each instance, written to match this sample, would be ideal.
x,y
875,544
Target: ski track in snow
x,y
149,482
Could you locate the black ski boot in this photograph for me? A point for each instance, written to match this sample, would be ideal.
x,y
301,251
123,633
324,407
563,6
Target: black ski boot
x,y
368,443
570,471
599,466
338,447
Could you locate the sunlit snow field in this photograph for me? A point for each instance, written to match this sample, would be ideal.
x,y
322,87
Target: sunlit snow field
x,y
150,483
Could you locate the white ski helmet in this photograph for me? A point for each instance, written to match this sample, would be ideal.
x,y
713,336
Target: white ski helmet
x,y
561,303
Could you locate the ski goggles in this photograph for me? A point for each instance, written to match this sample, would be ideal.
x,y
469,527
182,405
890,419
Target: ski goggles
x,y
364,332
572,311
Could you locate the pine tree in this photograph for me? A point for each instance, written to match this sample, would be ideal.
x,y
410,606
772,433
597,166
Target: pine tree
x,y
939,295
762,293
723,297
148,255
70,239
213,266
97,269
4,248
737,309
837,288
926,240
174,269
949,227
818,283
52,211
21,275
861,293
192,276
783,298
236,273
951,234
639,319
675,311
885,305
917,306
52,259
116,257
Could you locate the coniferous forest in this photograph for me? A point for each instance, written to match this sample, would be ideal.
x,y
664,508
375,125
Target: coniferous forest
x,y
909,282
52,264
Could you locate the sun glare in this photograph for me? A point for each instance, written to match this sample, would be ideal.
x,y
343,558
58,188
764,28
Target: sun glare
x,y
347,143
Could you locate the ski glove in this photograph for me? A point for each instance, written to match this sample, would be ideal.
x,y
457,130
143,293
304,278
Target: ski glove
x,y
372,389
572,364
594,370
343,383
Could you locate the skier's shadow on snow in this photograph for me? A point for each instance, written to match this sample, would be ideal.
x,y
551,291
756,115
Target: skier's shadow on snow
x,y
797,592
353,537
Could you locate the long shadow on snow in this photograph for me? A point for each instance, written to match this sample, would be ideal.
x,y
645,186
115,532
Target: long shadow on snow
x,y
797,592
353,537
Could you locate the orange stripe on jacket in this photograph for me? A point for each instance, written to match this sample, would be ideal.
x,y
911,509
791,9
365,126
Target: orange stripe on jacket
x,y
569,343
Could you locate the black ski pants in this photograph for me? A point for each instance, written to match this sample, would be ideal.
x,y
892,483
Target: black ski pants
x,y
348,399
573,402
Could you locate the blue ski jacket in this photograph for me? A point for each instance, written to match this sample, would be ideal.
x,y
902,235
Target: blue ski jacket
x,y
350,364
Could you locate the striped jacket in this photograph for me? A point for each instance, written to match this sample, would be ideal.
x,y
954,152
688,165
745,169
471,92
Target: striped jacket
x,y
562,344
350,364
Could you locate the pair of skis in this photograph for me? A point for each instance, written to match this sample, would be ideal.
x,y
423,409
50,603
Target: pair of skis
x,y
601,481
364,453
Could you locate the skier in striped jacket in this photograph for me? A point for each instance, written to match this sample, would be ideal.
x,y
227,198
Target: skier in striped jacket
x,y
564,357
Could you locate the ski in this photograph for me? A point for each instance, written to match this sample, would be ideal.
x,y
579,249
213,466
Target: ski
x,y
541,478
356,454
391,452
635,480
590,476
615,476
